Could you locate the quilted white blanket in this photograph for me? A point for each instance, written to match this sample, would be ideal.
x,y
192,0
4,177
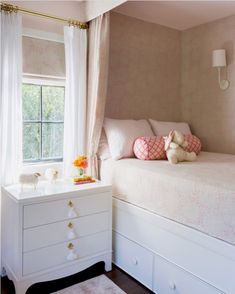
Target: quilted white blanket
x,y
200,195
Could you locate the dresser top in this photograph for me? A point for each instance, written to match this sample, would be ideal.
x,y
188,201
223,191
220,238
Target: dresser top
x,y
48,190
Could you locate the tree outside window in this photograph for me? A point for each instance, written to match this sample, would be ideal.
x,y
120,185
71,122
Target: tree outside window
x,y
43,122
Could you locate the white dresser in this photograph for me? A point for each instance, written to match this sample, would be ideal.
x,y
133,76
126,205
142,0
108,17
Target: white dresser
x,y
55,231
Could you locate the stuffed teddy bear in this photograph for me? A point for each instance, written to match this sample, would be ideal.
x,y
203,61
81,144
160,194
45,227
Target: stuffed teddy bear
x,y
174,147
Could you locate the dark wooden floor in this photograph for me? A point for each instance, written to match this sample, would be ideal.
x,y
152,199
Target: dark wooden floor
x,y
126,283
120,278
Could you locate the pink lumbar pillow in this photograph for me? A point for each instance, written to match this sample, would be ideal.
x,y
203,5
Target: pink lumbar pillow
x,y
150,148
194,144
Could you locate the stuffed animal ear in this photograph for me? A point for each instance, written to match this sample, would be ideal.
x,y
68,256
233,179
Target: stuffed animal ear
x,y
168,140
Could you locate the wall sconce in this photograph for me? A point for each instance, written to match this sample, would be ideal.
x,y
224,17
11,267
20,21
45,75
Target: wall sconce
x,y
219,60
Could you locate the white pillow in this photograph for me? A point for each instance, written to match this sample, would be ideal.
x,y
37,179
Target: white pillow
x,y
162,128
103,149
121,135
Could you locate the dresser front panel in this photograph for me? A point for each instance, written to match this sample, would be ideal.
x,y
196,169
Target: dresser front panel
x,y
42,236
44,258
54,211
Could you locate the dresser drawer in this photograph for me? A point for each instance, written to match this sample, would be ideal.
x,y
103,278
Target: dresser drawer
x,y
54,211
42,236
133,259
48,257
169,279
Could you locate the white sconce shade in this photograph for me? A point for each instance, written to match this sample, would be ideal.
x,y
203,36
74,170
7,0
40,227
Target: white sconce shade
x,y
218,61
219,58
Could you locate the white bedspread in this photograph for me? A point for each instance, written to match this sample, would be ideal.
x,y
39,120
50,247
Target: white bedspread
x,y
199,194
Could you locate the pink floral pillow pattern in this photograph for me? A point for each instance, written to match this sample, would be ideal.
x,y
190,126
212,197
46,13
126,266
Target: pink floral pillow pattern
x,y
150,148
194,144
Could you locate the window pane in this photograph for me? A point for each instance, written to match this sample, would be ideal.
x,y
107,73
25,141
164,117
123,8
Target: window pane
x,y
31,141
31,102
52,103
52,140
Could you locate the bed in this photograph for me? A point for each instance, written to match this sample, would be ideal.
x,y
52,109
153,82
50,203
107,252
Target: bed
x,y
174,225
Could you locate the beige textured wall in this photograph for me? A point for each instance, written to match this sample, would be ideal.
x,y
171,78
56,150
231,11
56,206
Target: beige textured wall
x,y
43,57
210,111
144,70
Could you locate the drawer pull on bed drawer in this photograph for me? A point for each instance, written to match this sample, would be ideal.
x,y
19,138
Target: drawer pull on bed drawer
x,y
170,278
172,286
134,261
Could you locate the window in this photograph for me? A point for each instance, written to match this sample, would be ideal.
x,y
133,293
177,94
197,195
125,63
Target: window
x,y
43,122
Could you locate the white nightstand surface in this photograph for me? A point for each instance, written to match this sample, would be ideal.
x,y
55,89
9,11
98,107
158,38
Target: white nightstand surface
x,y
48,190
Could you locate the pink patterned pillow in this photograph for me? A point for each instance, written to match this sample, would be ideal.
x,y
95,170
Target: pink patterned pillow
x,y
194,144
149,148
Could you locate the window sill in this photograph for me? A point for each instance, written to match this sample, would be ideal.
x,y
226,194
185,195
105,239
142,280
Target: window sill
x,y
42,162
41,167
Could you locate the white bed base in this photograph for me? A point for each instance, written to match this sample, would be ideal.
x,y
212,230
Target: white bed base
x,y
168,257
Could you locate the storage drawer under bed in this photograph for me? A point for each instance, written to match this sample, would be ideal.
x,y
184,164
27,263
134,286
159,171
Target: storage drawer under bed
x,y
133,259
168,278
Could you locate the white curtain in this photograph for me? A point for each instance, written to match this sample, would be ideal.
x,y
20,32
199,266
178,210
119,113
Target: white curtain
x,y
10,97
75,96
98,61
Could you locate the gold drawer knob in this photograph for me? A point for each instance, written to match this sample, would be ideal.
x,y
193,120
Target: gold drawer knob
x,y
70,246
70,225
70,203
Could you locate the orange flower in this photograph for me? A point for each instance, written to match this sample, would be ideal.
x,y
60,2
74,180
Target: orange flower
x,y
81,162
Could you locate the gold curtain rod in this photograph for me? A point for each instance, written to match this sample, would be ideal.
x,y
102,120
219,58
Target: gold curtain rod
x,y
72,22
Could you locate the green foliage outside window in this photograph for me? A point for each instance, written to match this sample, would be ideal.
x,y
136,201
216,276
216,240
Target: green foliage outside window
x,y
43,116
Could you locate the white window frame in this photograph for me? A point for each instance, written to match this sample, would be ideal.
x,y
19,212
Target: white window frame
x,y
31,78
42,81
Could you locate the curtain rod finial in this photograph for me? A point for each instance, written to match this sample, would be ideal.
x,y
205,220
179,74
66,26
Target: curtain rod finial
x,y
9,8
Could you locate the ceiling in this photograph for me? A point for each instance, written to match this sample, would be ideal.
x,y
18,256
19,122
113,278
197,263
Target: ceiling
x,y
179,15
83,10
